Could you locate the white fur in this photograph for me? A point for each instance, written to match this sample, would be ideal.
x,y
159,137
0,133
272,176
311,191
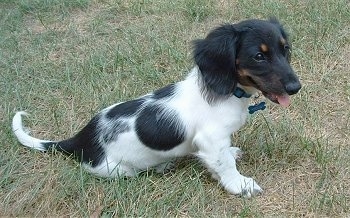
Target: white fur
x,y
208,129
21,134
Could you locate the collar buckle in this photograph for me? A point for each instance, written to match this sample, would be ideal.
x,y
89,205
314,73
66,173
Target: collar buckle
x,y
239,93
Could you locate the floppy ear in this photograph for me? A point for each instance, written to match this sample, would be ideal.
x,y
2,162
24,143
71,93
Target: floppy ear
x,y
284,34
274,21
216,56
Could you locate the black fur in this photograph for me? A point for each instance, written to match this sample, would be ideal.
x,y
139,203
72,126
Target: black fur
x,y
164,92
128,108
229,55
274,21
215,56
84,145
159,128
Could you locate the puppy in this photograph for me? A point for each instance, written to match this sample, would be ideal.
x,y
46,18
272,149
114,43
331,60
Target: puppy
x,y
195,116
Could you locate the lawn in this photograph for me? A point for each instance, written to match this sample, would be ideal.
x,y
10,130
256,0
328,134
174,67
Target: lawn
x,y
64,60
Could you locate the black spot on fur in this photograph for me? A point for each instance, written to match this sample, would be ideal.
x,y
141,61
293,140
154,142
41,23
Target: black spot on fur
x,y
128,108
164,92
159,129
84,145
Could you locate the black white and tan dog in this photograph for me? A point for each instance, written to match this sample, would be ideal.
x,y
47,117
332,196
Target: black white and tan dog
x,y
195,116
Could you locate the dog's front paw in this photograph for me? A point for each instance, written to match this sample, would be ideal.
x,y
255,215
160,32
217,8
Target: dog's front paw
x,y
236,152
243,186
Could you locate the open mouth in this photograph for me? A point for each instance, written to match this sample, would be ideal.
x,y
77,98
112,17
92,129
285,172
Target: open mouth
x,y
282,99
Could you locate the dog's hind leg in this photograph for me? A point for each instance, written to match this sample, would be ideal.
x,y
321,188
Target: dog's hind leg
x,y
165,167
111,169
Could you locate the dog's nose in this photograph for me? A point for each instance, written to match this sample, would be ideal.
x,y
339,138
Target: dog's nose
x,y
293,88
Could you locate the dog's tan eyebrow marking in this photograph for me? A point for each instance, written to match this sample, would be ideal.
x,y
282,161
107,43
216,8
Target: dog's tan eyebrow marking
x,y
243,72
264,48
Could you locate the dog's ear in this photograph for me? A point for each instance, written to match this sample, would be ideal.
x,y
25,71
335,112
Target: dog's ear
x,y
285,36
216,58
274,21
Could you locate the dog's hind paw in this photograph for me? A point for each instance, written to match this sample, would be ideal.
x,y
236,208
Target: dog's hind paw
x,y
165,167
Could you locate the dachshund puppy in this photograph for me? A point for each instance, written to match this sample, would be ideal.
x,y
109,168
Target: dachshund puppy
x,y
195,116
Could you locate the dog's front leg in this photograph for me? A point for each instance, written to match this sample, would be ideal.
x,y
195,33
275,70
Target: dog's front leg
x,y
220,160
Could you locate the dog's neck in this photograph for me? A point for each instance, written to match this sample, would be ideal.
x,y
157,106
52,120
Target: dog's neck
x,y
240,93
244,91
247,92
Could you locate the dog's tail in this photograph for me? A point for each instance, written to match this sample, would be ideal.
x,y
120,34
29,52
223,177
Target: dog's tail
x,y
24,138
83,143
66,146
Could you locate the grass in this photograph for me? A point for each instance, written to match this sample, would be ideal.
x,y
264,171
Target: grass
x,y
63,61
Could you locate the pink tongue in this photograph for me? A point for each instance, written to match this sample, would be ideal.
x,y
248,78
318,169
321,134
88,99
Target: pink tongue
x,y
283,100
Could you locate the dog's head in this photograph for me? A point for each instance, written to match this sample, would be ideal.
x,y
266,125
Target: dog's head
x,y
253,53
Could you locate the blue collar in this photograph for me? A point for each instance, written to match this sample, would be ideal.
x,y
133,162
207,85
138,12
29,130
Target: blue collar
x,y
240,93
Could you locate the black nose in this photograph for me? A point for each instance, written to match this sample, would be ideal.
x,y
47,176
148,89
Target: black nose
x,y
293,87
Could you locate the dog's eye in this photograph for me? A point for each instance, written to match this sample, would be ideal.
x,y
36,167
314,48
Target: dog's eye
x,y
287,52
259,57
